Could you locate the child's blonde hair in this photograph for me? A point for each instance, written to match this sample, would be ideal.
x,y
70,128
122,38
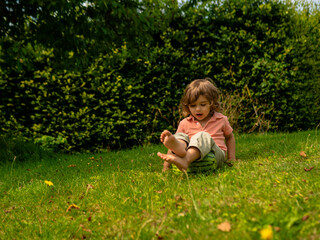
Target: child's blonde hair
x,y
197,88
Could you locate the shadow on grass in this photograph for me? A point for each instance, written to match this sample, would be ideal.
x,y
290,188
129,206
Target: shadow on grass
x,y
19,150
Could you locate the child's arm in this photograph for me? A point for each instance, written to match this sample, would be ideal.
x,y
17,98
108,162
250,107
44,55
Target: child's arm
x,y
231,145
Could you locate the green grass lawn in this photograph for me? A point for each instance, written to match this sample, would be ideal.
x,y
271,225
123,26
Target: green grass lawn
x,y
271,192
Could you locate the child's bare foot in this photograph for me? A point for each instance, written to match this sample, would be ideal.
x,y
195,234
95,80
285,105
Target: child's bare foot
x,y
181,163
166,165
172,143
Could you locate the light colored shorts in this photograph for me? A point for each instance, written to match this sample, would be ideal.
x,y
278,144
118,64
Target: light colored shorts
x,y
205,144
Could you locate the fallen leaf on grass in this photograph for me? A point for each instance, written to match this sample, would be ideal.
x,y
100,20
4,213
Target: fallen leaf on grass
x,y
178,198
7,210
182,214
158,236
308,169
72,206
224,227
303,154
89,186
85,229
277,229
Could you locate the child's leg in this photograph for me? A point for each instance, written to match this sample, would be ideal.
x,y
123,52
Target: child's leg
x,y
199,146
177,146
205,143
219,154
202,141
182,163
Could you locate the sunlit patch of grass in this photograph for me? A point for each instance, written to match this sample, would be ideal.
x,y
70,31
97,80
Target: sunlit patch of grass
x,y
272,190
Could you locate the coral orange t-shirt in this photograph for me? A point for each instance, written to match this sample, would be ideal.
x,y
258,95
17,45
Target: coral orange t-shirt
x,y
218,127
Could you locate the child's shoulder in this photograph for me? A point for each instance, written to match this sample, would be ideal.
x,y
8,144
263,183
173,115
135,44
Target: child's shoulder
x,y
186,119
219,115
190,117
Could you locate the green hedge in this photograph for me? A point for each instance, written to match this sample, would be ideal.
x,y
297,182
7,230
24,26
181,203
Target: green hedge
x,y
262,55
116,102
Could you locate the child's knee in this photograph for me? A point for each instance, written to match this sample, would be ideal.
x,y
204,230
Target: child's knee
x,y
182,136
203,135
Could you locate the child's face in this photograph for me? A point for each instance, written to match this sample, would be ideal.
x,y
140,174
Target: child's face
x,y
201,108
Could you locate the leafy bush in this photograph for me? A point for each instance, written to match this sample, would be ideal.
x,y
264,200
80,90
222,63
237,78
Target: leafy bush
x,y
50,143
263,56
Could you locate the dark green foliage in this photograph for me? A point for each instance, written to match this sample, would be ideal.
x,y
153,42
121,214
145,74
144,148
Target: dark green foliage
x,y
113,76
19,150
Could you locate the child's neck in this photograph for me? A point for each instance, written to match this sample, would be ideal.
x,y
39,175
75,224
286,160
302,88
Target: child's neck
x,y
204,121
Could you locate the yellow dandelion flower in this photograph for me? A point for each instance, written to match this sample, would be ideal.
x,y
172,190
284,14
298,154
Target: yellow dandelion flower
x,y
49,183
266,233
